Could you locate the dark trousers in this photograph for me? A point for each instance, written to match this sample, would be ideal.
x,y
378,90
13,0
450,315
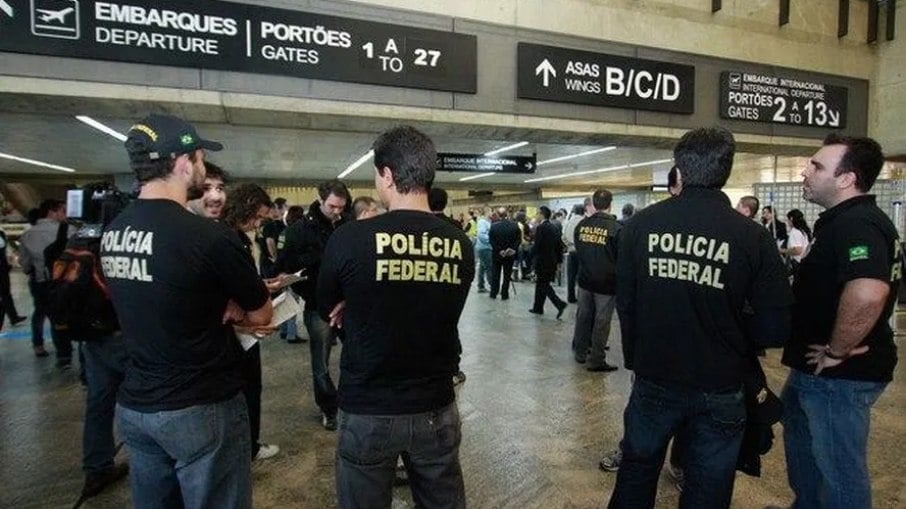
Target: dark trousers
x,y
320,343
40,295
251,368
711,426
544,290
105,368
8,305
572,270
368,447
498,265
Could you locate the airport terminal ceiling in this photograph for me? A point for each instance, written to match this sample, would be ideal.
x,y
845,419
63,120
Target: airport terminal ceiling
x,y
300,156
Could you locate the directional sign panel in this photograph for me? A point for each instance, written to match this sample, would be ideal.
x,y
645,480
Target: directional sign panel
x,y
778,100
208,34
479,163
548,73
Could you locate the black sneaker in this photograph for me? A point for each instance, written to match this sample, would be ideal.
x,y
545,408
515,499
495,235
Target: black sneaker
x,y
96,482
329,422
602,368
560,310
294,341
535,312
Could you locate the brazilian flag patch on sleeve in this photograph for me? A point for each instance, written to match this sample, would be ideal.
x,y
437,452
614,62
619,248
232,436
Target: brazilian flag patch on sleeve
x,y
858,253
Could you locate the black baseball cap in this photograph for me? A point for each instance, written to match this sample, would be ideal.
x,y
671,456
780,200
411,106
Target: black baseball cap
x,y
165,136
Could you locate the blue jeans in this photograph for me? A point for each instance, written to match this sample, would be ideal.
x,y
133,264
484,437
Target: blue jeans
x,y
712,426
593,317
105,365
484,267
320,342
40,296
197,457
825,435
289,327
367,451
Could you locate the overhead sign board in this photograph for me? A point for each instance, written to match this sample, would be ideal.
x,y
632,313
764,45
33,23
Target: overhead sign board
x,y
775,99
549,73
208,34
479,163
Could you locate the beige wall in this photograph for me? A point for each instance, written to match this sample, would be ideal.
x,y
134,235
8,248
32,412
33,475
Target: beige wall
x,y
887,109
744,29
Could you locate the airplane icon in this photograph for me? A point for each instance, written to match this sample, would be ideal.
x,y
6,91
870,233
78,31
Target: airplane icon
x,y
58,16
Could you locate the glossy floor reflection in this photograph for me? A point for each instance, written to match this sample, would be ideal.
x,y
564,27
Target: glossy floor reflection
x,y
535,424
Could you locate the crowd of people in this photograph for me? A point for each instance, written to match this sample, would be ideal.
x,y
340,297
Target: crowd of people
x,y
193,266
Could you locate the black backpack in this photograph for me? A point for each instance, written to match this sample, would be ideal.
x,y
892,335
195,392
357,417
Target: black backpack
x,y
56,248
79,304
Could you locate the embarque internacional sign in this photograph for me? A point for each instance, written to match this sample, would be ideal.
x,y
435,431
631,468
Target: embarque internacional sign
x,y
209,34
486,164
549,73
778,100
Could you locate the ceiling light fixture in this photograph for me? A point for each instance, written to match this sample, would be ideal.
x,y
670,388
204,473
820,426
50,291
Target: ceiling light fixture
x,y
504,149
359,162
600,170
581,154
101,127
479,176
36,163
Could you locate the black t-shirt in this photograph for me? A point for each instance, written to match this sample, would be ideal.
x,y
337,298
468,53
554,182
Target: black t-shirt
x,y
686,268
404,276
171,274
853,240
596,249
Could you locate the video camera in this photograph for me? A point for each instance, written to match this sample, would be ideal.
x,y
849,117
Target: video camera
x,y
96,204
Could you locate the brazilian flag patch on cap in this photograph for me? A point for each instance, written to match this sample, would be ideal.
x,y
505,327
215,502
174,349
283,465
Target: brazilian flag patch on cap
x,y
187,139
858,253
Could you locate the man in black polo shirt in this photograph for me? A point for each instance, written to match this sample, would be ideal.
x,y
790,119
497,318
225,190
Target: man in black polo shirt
x,y
179,282
596,250
400,282
842,352
686,268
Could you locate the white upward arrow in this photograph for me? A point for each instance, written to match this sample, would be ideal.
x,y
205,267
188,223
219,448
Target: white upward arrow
x,y
544,67
7,8
834,118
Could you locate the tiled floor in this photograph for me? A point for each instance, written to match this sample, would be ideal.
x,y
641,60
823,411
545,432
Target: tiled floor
x,y
534,424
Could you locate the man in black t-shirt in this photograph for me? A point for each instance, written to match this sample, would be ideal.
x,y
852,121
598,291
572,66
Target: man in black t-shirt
x,y
398,283
179,282
595,239
842,351
686,269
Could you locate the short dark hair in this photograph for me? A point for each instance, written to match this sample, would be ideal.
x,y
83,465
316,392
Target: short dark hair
x,y
49,205
768,208
242,204
628,210
578,209
546,212
410,155
33,215
280,203
333,187
602,199
751,203
294,213
705,157
863,158
145,168
361,204
437,199
212,171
